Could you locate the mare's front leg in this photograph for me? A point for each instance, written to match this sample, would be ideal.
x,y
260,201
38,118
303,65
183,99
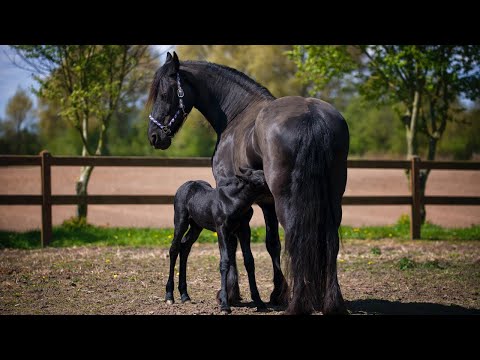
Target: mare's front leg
x,y
232,279
190,237
279,295
223,245
244,234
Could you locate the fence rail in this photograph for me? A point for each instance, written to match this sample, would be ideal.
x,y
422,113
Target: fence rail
x,y
47,200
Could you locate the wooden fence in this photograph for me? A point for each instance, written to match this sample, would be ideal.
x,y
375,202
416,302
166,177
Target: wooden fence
x,y
47,200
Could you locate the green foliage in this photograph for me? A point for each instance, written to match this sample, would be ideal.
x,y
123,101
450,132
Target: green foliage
x,y
17,135
75,223
87,84
373,130
376,250
406,263
425,79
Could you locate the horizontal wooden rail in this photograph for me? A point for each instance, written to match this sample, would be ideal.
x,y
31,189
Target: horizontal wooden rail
x,y
450,165
46,200
129,161
168,200
20,199
377,200
378,164
451,200
114,199
13,160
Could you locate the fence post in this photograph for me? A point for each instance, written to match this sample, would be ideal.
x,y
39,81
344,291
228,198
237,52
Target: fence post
x,y
415,220
46,199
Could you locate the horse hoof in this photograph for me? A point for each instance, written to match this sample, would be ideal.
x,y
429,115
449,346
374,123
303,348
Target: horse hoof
x,y
225,312
169,302
261,307
186,301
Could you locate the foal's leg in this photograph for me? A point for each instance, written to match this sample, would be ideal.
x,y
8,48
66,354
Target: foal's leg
x,y
181,225
279,295
223,245
190,237
244,238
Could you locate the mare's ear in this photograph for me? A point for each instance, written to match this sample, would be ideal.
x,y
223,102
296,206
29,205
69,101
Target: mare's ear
x,y
172,64
176,62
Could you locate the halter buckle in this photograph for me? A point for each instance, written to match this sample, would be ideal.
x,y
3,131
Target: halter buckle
x,y
180,93
166,130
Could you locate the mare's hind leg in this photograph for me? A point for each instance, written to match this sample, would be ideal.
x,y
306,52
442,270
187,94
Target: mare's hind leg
x,y
333,302
244,238
190,237
181,225
279,295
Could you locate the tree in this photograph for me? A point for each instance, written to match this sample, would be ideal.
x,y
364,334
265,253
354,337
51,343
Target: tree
x,y
425,79
18,134
18,110
88,82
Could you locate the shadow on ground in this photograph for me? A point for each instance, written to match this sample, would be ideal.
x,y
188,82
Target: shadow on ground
x,y
385,307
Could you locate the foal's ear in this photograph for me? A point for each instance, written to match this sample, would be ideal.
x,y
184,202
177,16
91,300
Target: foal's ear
x,y
176,62
169,57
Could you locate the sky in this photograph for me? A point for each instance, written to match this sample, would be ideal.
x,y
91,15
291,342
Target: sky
x,y
12,77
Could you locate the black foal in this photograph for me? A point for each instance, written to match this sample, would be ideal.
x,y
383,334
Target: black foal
x,y
226,210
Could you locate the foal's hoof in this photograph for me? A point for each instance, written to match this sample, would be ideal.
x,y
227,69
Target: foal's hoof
x,y
170,302
225,311
186,301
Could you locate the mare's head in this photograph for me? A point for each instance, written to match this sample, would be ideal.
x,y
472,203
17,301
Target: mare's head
x,y
171,99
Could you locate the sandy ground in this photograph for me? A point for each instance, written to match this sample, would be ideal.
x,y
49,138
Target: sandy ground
x,y
442,279
125,181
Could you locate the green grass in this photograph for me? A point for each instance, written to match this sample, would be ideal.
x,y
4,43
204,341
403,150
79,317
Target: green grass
x,y
401,230
72,233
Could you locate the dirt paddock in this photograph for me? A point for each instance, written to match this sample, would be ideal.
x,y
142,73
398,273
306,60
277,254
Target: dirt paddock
x,y
436,278
157,181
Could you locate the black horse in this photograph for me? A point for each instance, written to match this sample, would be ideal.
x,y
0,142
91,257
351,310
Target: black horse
x,y
226,210
302,145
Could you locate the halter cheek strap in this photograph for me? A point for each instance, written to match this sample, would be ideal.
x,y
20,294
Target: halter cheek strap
x,y
167,128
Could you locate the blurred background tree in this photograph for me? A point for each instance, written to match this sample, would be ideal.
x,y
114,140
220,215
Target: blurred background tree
x,y
375,127
17,131
86,85
422,83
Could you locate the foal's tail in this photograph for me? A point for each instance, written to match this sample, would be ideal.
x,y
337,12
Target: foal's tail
x,y
311,234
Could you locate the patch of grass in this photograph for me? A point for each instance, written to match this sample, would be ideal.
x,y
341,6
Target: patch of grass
x,y
401,230
406,263
376,250
80,233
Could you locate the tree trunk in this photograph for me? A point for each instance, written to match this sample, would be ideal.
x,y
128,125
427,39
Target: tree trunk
x,y
412,150
81,188
82,183
411,128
